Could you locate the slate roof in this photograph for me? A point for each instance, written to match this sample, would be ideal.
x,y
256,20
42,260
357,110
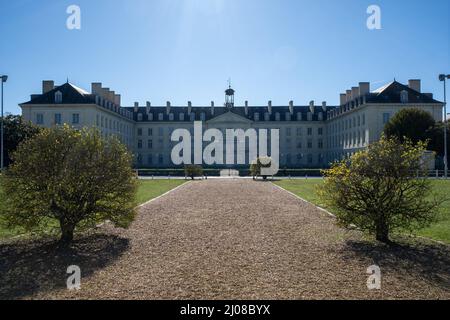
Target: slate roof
x,y
390,93
71,94
176,110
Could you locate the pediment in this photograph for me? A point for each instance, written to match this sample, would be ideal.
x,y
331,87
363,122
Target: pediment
x,y
229,117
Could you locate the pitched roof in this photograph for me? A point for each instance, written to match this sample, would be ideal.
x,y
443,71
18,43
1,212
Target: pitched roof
x,y
390,93
71,94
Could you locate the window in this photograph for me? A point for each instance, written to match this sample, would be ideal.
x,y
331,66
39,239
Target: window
x,y
171,116
40,118
139,159
181,116
299,131
150,132
309,116
139,144
404,96
309,131
320,144
150,116
266,116
310,158
320,158
58,118
160,159
299,116
75,118
299,145
288,132
58,97
320,131
202,116
139,131
309,144
150,144
160,116
160,131
192,116
139,117
256,116
277,116
299,157
150,159
386,117
288,116
320,116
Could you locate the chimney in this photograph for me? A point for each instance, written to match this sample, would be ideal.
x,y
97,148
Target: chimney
x,y
189,108
47,85
291,107
96,88
167,107
349,95
212,107
136,107
311,106
414,84
343,98
355,92
246,108
149,106
364,88
324,106
269,106
117,99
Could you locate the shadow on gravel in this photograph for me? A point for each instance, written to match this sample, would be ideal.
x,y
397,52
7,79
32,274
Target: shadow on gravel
x,y
430,262
29,267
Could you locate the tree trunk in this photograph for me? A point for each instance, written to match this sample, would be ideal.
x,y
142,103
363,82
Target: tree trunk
x,y
67,229
382,231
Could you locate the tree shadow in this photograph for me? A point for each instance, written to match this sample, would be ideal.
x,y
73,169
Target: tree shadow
x,y
430,262
28,267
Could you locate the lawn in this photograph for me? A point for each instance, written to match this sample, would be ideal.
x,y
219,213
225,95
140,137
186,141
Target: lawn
x,y
147,190
438,231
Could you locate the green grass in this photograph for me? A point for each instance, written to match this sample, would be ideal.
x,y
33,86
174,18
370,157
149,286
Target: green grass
x,y
147,190
440,230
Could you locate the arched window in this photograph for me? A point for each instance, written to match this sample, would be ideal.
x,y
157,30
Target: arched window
x,y
58,97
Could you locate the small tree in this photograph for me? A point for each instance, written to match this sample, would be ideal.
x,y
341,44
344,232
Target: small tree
x,y
412,124
75,177
192,171
257,164
15,131
381,189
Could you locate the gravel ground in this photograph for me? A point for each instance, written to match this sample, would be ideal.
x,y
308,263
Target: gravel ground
x,y
226,239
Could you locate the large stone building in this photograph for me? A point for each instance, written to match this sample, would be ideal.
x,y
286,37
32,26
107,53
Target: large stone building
x,y
311,136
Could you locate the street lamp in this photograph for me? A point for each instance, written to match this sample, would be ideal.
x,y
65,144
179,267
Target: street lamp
x,y
2,80
443,77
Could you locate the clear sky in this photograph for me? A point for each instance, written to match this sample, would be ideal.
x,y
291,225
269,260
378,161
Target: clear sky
x,y
180,50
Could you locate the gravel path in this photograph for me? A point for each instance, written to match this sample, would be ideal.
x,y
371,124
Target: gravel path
x,y
235,239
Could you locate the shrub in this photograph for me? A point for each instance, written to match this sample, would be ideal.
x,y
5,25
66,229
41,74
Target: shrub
x,y
380,189
192,170
74,177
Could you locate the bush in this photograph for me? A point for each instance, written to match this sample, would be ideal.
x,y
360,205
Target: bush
x,y
74,177
256,165
192,170
379,190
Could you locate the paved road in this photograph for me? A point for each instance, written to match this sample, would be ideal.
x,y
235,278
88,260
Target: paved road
x,y
241,239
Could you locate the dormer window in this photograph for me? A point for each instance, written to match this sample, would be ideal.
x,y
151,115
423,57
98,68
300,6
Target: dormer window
x,y
181,116
288,116
256,116
277,116
404,96
266,116
139,116
160,116
58,97
202,116
171,117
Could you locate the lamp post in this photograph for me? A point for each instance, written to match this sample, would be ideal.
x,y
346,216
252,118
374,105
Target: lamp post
x,y
2,80
443,77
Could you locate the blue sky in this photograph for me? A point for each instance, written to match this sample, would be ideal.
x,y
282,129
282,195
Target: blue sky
x,y
180,50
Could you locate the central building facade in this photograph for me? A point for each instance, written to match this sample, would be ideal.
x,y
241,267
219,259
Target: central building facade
x,y
311,136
